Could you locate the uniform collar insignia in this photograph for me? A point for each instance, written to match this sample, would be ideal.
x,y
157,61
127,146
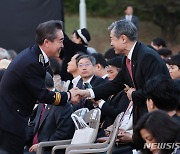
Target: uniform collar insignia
x,y
41,59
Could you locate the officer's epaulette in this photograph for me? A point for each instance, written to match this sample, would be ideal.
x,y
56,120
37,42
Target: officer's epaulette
x,y
41,59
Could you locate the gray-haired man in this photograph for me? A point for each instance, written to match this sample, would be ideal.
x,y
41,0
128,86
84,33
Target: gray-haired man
x,y
139,64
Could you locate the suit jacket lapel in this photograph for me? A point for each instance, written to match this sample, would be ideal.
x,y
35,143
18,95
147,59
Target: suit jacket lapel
x,y
80,84
48,108
38,114
134,61
92,82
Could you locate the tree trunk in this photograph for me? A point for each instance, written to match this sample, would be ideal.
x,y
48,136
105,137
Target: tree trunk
x,y
169,34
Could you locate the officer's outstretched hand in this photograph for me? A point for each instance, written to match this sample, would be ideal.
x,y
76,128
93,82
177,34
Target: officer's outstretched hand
x,y
75,97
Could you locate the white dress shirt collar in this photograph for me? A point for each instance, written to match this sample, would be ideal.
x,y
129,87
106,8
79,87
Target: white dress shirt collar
x,y
89,80
104,76
128,17
75,80
46,59
131,51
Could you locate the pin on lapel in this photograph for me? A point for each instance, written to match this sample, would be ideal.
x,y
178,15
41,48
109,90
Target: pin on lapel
x,y
48,108
41,59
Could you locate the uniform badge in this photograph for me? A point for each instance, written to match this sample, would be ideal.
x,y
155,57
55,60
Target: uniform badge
x,y
41,59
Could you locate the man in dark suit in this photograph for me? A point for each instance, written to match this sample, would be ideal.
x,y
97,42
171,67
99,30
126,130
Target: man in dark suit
x,y
24,83
86,64
129,15
139,64
51,124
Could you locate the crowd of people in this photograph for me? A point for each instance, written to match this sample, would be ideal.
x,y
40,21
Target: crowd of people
x,y
43,85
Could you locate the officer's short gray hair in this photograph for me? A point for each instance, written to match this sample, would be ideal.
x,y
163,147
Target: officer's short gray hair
x,y
125,27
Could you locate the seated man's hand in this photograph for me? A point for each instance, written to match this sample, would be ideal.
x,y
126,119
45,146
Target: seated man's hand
x,y
124,137
108,130
33,148
102,139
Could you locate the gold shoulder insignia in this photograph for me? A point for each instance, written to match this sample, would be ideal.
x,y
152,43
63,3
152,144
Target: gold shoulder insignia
x,y
41,59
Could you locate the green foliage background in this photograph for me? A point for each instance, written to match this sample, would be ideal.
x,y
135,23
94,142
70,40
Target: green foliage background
x,y
163,13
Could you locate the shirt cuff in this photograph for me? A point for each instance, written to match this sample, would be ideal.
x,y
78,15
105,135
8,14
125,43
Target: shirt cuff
x,y
69,96
101,103
91,93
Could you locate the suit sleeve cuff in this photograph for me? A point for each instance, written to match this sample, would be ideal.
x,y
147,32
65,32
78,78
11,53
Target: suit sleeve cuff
x,y
68,96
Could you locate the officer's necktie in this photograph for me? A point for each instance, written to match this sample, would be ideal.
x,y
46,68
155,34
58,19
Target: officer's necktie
x,y
35,139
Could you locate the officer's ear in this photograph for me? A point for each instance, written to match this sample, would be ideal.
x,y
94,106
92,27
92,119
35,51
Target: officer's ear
x,y
46,43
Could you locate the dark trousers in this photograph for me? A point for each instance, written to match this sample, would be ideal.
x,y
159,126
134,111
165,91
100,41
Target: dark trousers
x,y
10,143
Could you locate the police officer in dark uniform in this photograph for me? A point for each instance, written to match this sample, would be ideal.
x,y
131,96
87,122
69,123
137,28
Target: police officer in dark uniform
x,y
24,83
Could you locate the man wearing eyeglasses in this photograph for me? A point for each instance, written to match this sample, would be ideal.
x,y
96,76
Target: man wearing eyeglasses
x,y
85,64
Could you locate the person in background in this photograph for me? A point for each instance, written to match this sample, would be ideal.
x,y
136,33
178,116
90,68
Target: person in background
x,y
3,54
78,43
73,69
4,63
12,54
55,66
116,103
82,36
109,54
86,64
177,82
174,66
130,16
114,66
158,43
162,94
164,53
100,67
156,128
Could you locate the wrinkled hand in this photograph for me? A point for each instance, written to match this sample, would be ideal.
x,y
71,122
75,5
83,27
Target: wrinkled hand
x,y
108,130
124,137
121,131
126,87
33,148
102,139
75,97
129,93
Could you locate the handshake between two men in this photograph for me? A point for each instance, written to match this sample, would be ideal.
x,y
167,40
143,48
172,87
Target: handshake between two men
x,y
77,94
